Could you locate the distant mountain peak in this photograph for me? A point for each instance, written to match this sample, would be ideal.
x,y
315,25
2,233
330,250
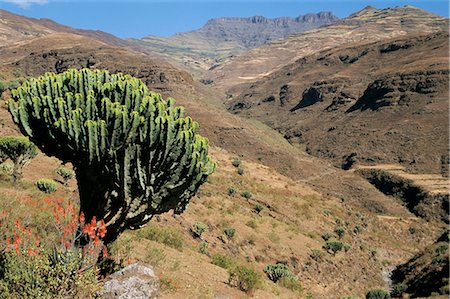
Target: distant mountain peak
x,y
324,16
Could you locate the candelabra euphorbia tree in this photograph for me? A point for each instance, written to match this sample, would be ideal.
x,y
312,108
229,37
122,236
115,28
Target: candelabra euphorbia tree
x,y
134,154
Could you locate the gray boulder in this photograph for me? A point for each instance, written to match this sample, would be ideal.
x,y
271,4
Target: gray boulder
x,y
135,281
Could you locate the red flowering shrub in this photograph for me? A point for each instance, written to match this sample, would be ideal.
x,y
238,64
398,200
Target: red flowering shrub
x,y
41,254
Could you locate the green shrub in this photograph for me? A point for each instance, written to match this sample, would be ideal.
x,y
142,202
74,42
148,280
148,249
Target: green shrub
x,y
398,289
223,261
198,228
326,236
236,162
167,236
65,173
316,254
154,256
42,276
244,278
346,247
333,246
357,229
291,283
442,248
232,191
246,194
412,230
203,248
377,294
277,271
240,171
258,208
46,185
19,150
6,168
230,232
252,223
340,232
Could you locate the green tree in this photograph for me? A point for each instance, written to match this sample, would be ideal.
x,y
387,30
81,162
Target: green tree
x,y
134,154
19,150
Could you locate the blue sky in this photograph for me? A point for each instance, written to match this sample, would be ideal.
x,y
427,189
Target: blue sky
x,y
139,18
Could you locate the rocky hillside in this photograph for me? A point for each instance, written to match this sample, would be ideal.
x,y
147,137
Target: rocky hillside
x,y
427,272
378,102
302,200
15,29
366,26
200,49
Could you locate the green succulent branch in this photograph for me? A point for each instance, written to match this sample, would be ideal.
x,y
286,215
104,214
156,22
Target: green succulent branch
x,y
134,154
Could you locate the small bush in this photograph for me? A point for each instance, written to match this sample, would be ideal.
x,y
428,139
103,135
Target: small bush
x,y
357,229
19,150
198,228
46,185
326,236
377,294
290,283
333,246
246,194
167,236
155,256
412,230
65,173
277,271
442,248
252,223
398,289
223,261
236,162
340,232
316,254
244,278
42,276
232,191
6,168
258,208
203,248
240,171
230,232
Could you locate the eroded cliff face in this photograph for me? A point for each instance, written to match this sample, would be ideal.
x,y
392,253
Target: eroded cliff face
x,y
385,101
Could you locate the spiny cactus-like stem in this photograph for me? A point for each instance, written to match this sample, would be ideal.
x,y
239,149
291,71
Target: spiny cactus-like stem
x,y
134,153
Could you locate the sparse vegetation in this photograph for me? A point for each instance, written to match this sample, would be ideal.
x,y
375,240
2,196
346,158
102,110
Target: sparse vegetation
x,y
326,236
258,208
240,171
19,150
198,228
236,162
232,191
277,271
46,185
316,254
340,232
245,278
377,294
65,173
333,246
223,261
229,232
164,235
398,289
203,247
246,194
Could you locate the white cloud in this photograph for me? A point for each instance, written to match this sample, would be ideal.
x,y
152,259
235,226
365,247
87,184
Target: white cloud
x,y
26,3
